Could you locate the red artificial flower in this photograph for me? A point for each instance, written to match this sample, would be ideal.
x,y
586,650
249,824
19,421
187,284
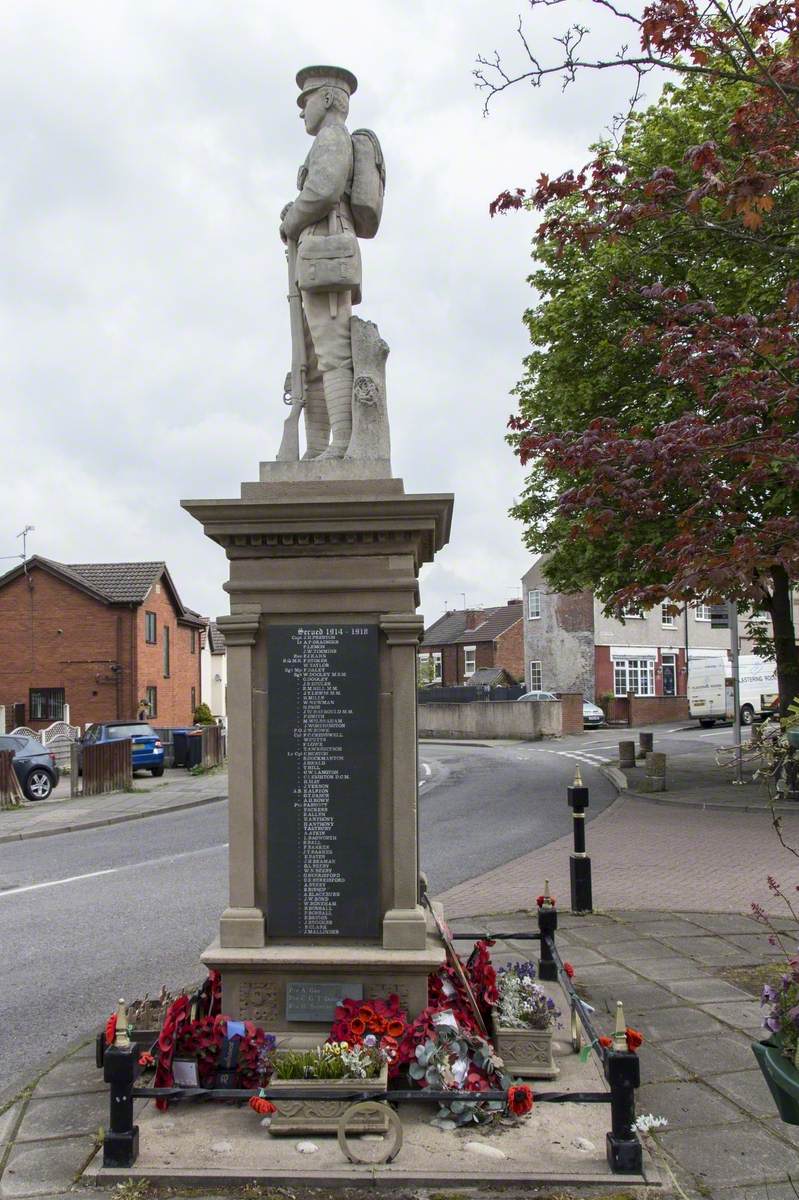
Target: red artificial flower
x,y
520,1099
377,1025
146,1059
542,900
634,1039
395,1028
607,1042
111,1029
366,1013
358,1027
569,969
262,1106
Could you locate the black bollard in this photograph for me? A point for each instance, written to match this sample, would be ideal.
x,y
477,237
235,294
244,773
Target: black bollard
x,y
121,1141
547,924
579,862
623,1073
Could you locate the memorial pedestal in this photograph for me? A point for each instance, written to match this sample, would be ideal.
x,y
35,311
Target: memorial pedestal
x,y
321,646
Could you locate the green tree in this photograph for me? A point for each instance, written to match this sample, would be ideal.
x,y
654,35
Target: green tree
x,y
650,406
203,715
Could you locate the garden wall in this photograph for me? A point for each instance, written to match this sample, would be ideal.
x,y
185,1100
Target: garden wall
x,y
526,719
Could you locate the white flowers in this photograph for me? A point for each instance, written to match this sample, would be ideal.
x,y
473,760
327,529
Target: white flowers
x,y
648,1121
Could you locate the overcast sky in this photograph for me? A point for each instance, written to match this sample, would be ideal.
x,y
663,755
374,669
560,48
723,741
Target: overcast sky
x,y
148,147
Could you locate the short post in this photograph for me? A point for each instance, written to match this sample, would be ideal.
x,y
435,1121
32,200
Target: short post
x,y
646,744
74,769
547,924
655,772
623,1073
626,754
120,1068
579,862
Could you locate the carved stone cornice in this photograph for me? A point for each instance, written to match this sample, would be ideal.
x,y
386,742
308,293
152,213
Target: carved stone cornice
x,y
240,628
402,628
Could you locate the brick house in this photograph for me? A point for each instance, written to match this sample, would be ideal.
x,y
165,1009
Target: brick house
x,y
571,646
462,642
99,637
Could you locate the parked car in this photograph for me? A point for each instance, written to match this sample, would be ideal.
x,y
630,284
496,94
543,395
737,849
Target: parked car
x,y
147,748
592,715
34,766
537,696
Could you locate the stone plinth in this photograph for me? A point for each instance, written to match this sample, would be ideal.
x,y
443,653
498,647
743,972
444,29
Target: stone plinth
x,y
322,553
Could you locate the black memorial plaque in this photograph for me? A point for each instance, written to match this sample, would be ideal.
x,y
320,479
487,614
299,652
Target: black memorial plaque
x,y
323,851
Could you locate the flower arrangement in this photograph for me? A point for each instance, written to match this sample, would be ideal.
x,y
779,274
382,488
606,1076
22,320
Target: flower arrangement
x,y
333,1060
522,1004
449,1057
782,996
374,1023
202,1039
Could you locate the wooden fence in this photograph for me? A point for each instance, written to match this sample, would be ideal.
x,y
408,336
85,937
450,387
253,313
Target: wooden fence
x,y
10,791
106,767
212,745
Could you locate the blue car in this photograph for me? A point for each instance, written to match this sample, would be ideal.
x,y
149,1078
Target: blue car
x,y
148,750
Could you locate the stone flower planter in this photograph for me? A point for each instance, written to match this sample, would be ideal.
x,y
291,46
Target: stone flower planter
x,y
782,1078
322,1116
525,1052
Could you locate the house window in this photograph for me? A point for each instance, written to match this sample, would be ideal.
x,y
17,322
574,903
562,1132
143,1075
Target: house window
x,y
636,675
193,702
166,652
46,704
666,617
702,612
536,677
533,605
151,696
633,610
150,628
469,660
435,658
194,641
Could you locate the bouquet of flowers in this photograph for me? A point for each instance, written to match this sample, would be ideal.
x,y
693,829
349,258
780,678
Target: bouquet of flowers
x,y
448,1057
375,1024
522,1004
333,1060
782,1018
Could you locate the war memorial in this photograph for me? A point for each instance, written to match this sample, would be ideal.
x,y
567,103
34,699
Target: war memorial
x,y
328,926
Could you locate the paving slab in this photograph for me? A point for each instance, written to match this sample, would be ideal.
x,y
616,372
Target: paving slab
x,y
658,1067
712,951
669,968
639,997
629,952
61,1115
707,991
743,1153
669,927
38,1168
740,1014
747,1088
757,944
710,1054
687,1104
765,1191
671,1024
8,1122
73,1073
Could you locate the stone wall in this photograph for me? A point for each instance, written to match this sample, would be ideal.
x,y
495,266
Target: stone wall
x,y
495,719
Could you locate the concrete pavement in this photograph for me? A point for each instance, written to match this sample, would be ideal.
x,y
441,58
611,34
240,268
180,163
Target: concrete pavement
x,y
176,790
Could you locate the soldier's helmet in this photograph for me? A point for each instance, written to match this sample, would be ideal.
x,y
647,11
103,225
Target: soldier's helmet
x,y
309,79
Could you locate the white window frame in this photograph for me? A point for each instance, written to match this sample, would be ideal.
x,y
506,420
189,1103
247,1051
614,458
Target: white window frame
x,y
437,658
702,612
469,652
534,605
667,620
536,684
636,675
633,612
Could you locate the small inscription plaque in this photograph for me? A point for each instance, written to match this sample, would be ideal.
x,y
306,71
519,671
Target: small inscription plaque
x,y
323,850
307,1001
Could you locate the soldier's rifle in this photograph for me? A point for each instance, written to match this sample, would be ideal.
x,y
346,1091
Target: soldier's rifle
x,y
294,389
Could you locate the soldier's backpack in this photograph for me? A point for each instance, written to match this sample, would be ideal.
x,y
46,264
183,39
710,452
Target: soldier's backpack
x,y
368,183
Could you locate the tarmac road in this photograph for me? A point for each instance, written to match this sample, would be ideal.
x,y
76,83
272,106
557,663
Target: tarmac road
x,y
117,911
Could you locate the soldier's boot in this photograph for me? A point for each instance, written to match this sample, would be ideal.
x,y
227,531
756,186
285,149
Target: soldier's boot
x,y
338,396
317,425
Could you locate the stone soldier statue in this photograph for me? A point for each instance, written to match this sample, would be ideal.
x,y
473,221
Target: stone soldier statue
x,y
340,198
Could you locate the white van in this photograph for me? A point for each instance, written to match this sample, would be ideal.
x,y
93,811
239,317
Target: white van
x,y
710,689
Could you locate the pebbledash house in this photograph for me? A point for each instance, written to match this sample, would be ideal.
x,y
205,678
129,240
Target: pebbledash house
x,y
571,646
111,641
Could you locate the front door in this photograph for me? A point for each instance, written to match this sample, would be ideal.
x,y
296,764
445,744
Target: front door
x,y
669,675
